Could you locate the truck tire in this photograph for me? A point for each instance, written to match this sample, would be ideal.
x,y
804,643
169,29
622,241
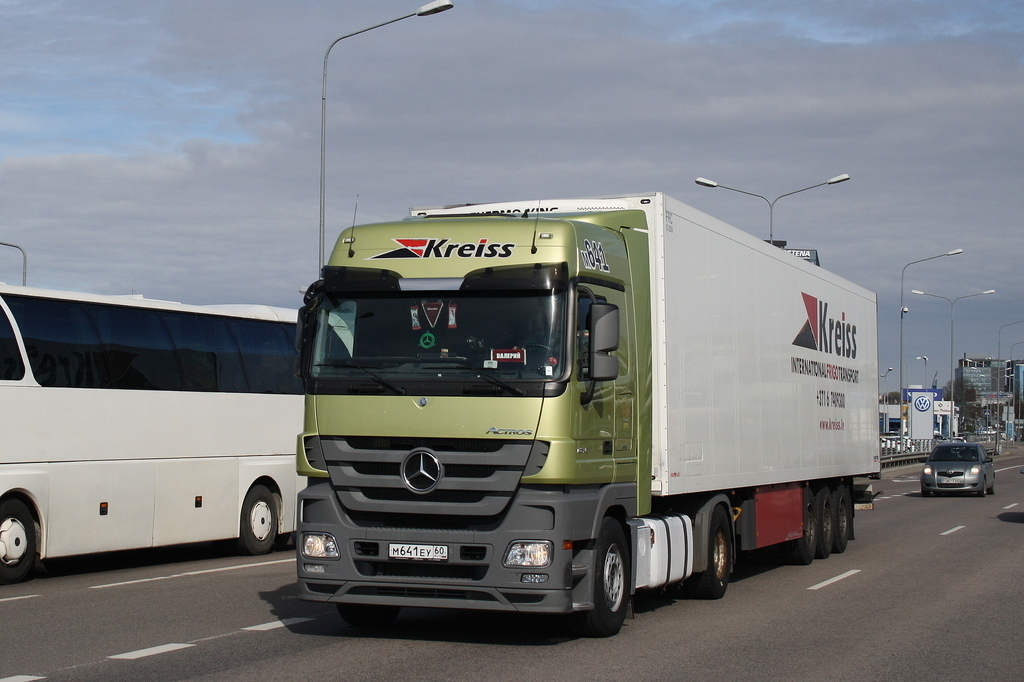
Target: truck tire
x,y
257,527
17,541
842,502
800,552
611,584
713,581
368,615
825,520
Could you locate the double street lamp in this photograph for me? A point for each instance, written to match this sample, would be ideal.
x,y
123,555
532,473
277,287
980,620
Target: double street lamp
x,y
903,309
704,182
435,7
952,376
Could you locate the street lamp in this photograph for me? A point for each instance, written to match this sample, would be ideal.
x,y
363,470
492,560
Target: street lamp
x,y
925,358
952,381
24,262
904,310
704,182
434,7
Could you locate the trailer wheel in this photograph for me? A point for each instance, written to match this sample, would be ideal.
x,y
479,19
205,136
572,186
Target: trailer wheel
x,y
800,552
17,541
368,615
257,528
611,586
825,520
713,581
842,502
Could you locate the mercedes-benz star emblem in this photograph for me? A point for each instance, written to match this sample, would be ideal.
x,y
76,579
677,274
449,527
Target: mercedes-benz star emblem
x,y
421,471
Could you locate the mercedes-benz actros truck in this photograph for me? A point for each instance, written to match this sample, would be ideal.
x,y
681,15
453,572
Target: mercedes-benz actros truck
x,y
545,406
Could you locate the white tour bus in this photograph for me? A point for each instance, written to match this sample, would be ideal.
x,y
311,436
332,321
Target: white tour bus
x,y
127,423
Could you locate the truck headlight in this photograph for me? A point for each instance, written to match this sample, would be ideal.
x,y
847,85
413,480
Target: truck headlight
x,y
528,553
319,546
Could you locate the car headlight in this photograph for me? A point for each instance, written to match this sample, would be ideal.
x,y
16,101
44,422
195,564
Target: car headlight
x,y
528,553
319,546
927,470
975,470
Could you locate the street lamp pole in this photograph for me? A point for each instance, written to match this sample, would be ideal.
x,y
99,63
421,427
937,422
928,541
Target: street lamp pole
x,y
903,311
952,376
426,10
704,182
24,262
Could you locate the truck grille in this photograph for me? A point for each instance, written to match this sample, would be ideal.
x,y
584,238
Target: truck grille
x,y
478,479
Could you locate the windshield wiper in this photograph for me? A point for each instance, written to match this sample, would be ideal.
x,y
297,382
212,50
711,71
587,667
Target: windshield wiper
x,y
383,382
493,380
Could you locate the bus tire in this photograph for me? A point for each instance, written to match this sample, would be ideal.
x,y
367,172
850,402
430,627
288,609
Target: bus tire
x,y
17,541
713,581
257,528
611,584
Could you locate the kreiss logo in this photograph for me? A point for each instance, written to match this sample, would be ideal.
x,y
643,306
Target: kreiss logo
x,y
445,248
824,333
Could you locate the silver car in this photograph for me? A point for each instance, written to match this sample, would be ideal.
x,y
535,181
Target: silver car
x,y
958,468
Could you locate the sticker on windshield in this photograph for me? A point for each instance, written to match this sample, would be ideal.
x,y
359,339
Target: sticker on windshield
x,y
427,341
509,355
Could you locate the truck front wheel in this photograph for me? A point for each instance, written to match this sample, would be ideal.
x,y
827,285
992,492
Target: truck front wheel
x,y
611,586
713,581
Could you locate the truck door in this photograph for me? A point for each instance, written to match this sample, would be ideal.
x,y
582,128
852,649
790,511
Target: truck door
x,y
604,425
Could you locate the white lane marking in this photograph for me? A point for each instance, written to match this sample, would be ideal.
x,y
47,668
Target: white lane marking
x,y
189,573
1005,469
21,678
834,580
953,530
25,596
274,624
151,651
1011,506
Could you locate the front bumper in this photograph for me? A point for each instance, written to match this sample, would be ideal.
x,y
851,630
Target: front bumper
x,y
473,576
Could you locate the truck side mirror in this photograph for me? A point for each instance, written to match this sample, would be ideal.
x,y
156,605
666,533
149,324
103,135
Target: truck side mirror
x,y
604,338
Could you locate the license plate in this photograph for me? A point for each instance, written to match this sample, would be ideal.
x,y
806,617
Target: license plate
x,y
418,552
951,481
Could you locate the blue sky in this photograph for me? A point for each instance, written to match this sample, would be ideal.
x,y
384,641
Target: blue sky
x,y
172,148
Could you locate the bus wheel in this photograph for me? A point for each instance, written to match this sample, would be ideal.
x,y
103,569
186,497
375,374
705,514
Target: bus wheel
x,y
17,541
713,581
257,529
611,584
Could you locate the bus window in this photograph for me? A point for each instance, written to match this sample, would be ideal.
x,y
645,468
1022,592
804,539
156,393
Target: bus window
x,y
268,352
12,368
62,344
207,352
139,351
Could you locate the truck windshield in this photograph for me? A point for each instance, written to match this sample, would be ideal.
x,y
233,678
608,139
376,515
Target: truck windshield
x,y
424,335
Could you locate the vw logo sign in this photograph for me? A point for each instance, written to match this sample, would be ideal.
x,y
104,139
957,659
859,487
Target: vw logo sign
x,y
922,403
421,471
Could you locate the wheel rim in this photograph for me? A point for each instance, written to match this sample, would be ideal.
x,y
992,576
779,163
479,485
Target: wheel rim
x,y
720,558
260,520
614,578
13,541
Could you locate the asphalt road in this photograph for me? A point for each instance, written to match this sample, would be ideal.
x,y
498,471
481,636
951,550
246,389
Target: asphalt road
x,y
931,589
